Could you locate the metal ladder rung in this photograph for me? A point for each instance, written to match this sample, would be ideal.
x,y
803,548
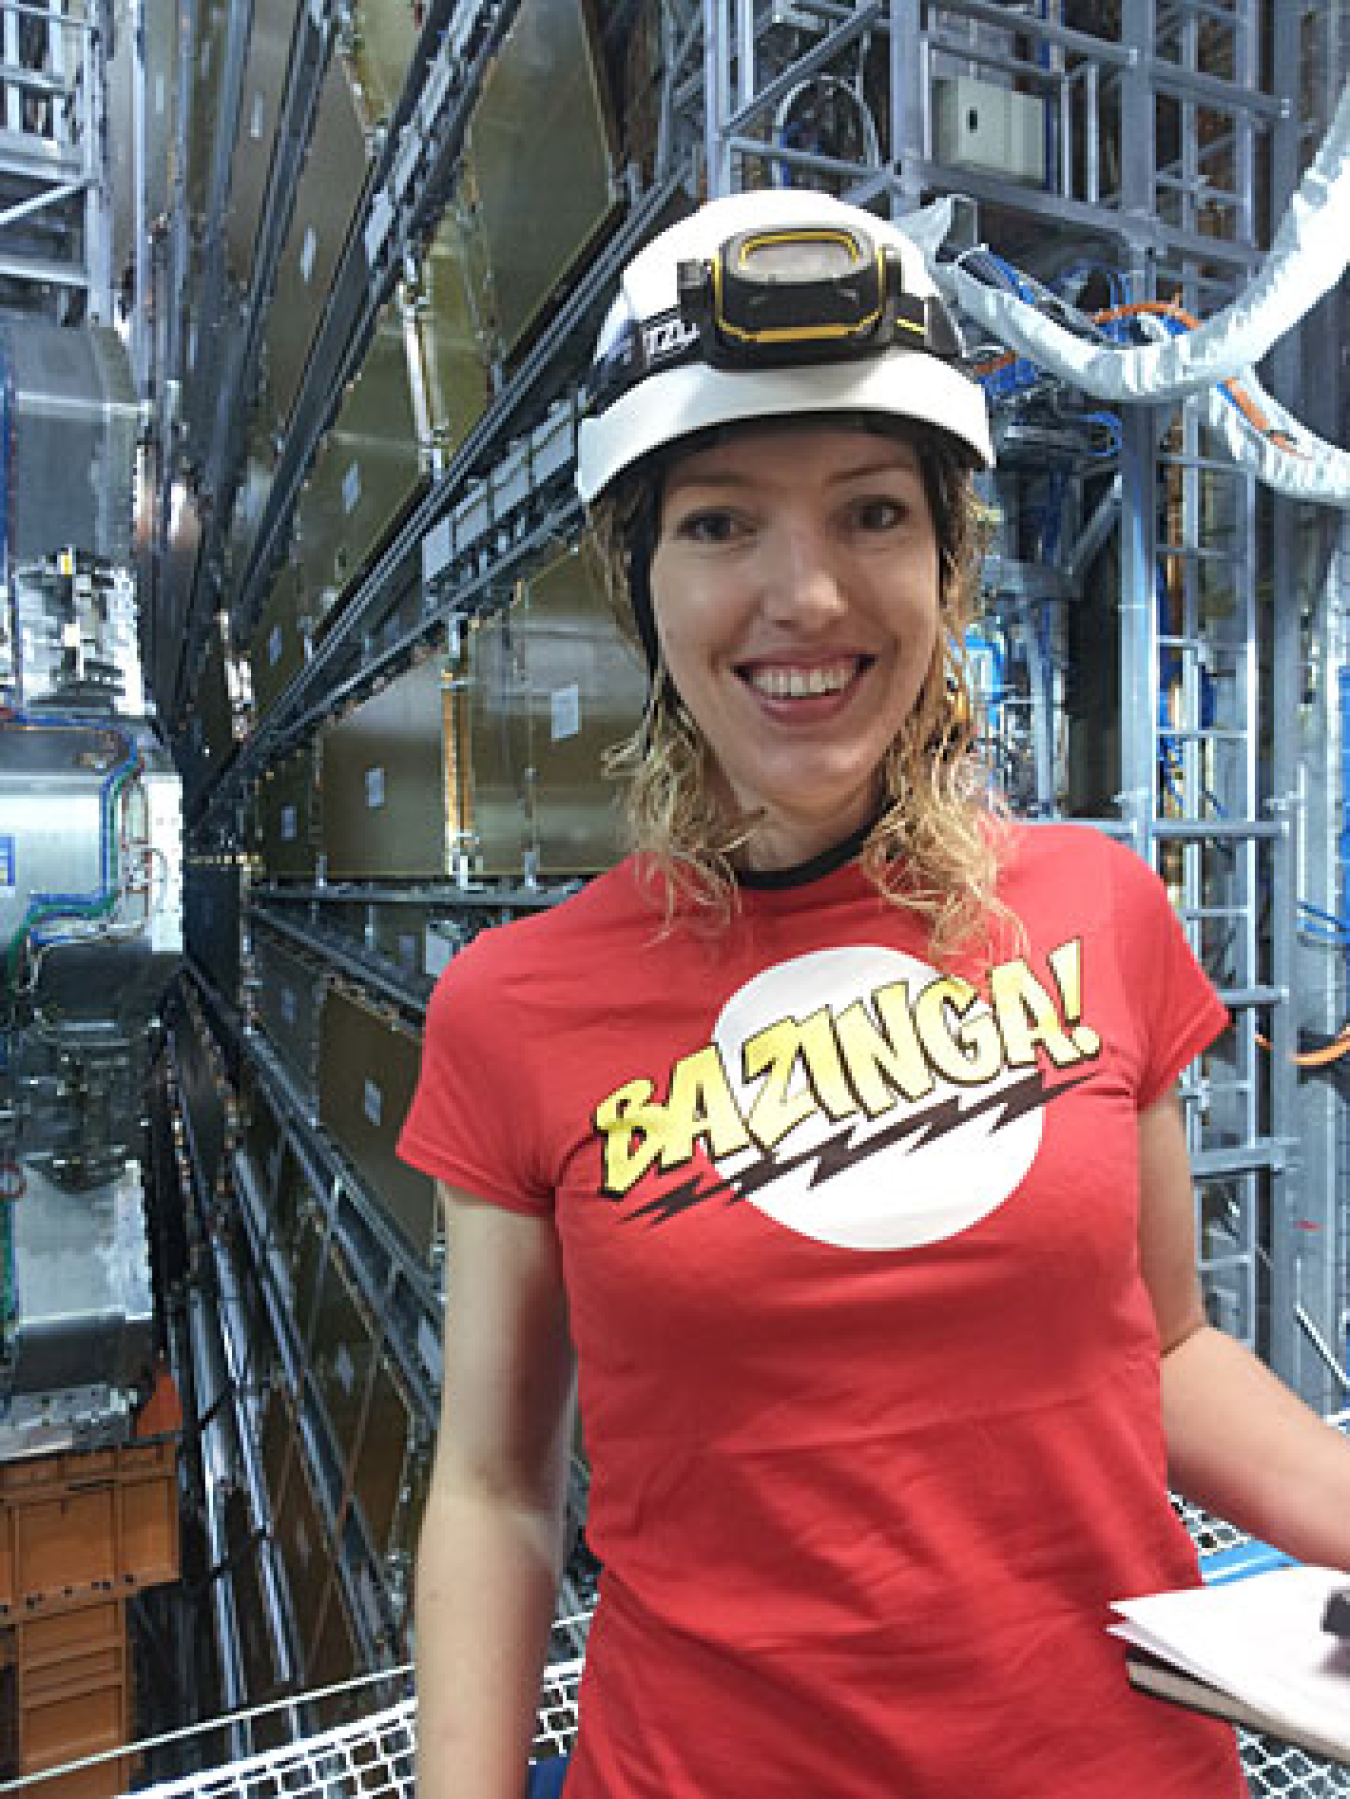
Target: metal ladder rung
x,y
1197,829
1206,733
1250,999
1198,553
1199,646
1239,1158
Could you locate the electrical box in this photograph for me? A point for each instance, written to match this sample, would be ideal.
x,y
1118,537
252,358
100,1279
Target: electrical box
x,y
981,126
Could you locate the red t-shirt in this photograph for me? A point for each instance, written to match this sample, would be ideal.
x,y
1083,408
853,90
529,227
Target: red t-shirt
x,y
868,1373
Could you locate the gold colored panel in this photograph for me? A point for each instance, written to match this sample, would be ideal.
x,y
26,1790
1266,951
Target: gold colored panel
x,y
378,50
366,474
540,147
290,998
333,1660
280,645
264,87
288,809
586,691
341,1354
383,776
380,1469
329,191
255,1634
250,499
454,350
276,1444
306,1553
493,750
367,1072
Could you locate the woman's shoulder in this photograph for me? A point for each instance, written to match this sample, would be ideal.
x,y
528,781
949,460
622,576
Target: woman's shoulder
x,y
1079,862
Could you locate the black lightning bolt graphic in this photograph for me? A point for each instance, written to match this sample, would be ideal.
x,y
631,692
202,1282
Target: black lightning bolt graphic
x,y
845,1149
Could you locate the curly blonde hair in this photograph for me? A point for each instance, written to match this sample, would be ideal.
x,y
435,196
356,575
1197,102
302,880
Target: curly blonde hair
x,y
935,848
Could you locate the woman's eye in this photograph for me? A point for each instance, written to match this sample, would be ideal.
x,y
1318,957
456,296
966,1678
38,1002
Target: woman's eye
x,y
708,527
879,513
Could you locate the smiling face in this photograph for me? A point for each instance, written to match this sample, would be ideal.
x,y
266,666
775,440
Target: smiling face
x,y
795,587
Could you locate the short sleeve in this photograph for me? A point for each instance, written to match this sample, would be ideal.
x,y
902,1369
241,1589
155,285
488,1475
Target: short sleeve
x,y
471,1119
1177,1009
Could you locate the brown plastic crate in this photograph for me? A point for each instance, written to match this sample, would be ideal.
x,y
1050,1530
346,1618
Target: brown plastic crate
x,y
73,1696
76,1526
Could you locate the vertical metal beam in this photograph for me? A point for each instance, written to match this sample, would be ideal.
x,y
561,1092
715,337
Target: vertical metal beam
x,y
908,101
1138,628
717,95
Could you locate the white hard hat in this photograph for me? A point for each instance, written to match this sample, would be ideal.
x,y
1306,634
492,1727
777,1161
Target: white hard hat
x,y
765,305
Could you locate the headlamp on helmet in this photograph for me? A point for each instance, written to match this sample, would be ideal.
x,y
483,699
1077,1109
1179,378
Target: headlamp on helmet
x,y
806,293
783,297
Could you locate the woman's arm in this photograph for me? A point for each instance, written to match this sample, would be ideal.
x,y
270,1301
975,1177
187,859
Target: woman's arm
x,y
491,1542
1238,1441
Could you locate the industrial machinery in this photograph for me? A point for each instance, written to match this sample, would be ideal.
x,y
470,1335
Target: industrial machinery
x,y
90,933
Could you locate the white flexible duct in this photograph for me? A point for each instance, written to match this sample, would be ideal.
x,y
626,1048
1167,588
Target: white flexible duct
x,y
1313,470
1306,260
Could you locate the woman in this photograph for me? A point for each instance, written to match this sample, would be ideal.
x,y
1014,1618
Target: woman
x,y
836,1130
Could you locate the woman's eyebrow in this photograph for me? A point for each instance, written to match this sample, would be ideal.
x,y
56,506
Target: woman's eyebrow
x,y
740,479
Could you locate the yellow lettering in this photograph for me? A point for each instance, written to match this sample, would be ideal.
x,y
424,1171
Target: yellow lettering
x,y
634,1132
774,1052
824,1070
1027,1016
882,1063
701,1104
972,1052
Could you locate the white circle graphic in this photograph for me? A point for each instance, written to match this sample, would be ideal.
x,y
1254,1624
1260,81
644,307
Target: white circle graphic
x,y
888,1186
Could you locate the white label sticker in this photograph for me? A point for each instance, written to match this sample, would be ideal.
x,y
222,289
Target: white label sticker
x,y
161,94
308,251
274,646
436,550
257,118
345,1369
566,712
377,227
351,487
289,824
437,952
373,1101
374,788
288,1004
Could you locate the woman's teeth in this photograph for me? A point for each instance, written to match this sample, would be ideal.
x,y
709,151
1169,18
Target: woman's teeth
x,y
801,683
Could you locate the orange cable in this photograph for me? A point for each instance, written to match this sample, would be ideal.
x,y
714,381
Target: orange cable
x,y
1169,309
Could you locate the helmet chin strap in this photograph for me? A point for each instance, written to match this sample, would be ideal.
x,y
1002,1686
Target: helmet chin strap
x,y
641,548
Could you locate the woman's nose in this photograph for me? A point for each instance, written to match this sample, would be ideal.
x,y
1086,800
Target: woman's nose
x,y
803,587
